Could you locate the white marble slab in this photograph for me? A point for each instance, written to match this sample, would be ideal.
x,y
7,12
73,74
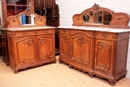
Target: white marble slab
x,y
114,30
28,28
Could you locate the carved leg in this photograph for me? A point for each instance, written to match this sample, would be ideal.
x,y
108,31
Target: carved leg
x,y
92,76
112,83
70,67
15,71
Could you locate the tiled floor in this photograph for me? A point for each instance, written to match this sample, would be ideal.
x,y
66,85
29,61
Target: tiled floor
x,y
52,75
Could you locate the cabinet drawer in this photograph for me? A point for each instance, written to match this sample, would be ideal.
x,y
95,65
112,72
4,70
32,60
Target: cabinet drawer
x,y
65,31
105,35
44,32
88,33
27,33
21,33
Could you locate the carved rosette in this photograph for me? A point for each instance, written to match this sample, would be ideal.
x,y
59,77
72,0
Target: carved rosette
x,y
66,39
81,40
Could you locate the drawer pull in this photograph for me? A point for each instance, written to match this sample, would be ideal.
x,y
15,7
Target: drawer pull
x,y
104,35
25,33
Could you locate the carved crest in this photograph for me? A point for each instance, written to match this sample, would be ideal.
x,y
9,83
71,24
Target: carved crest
x,y
17,19
100,16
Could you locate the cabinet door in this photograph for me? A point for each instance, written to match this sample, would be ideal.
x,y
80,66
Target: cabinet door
x,y
46,47
64,47
82,50
24,50
104,56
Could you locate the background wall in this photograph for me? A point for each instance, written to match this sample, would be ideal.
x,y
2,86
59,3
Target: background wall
x,y
68,8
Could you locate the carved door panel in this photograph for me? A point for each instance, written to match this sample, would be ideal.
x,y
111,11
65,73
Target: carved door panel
x,y
104,56
82,50
24,49
64,47
45,47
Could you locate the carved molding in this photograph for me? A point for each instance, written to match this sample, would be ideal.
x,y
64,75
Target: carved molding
x,y
103,65
15,20
105,17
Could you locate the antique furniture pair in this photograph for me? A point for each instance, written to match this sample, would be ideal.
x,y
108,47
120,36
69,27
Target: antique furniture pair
x,y
97,43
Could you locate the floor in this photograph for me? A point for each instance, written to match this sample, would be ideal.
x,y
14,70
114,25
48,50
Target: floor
x,y
52,75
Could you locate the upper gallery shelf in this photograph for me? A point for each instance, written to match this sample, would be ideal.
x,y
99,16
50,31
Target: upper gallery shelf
x,y
103,17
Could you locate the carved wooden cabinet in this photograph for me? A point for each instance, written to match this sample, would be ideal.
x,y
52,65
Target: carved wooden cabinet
x,y
97,43
64,49
12,8
111,55
30,41
77,49
82,43
4,47
31,48
99,53
1,53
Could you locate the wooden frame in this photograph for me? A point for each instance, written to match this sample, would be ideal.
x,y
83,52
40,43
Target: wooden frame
x,y
118,20
15,20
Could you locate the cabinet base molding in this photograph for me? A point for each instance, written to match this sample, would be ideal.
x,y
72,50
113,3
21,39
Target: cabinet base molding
x,y
23,67
112,79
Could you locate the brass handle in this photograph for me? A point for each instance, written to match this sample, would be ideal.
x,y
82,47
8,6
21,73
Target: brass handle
x,y
25,33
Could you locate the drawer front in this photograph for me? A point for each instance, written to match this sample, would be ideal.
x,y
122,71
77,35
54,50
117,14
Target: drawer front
x,y
44,32
85,32
105,35
21,33
64,31
27,33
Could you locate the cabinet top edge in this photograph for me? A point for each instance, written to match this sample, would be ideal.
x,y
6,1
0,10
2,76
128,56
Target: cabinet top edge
x,y
112,30
28,28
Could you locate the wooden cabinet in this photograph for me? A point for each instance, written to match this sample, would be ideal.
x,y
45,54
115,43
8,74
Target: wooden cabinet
x,y
65,49
82,43
76,49
4,47
103,54
97,43
1,53
30,44
111,55
31,48
12,8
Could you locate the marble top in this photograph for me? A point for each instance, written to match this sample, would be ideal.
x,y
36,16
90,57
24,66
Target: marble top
x,y
114,30
27,28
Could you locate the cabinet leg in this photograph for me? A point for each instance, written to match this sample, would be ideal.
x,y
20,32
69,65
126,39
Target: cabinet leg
x,y
92,76
15,71
70,67
112,83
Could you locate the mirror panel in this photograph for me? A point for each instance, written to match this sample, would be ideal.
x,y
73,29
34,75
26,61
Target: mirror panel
x,y
99,17
27,19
